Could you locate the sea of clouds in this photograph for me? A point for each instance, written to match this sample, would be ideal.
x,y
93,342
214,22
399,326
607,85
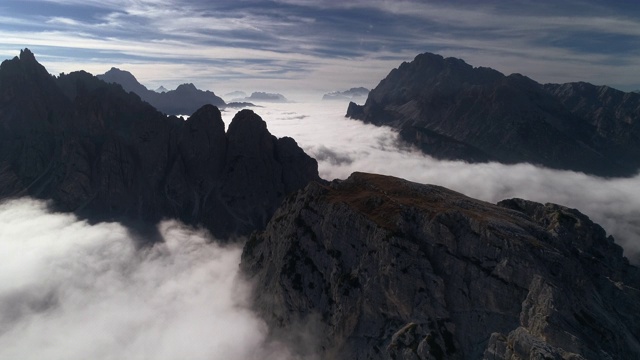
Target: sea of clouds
x,y
342,146
73,290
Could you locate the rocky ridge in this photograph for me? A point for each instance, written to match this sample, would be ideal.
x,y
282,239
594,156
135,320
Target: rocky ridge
x,y
389,269
451,110
105,154
184,100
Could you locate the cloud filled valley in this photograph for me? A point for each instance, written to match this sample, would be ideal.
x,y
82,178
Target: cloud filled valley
x,y
282,194
343,146
71,290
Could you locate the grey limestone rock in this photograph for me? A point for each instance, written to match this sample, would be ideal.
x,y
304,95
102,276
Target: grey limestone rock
x,y
399,270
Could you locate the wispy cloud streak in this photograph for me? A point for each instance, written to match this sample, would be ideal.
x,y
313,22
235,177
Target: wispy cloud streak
x,y
300,40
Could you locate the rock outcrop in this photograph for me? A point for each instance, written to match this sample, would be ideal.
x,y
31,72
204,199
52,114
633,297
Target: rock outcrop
x,y
184,100
389,269
99,151
452,110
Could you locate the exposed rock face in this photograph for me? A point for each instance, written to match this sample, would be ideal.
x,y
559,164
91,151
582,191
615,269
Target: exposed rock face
x,y
97,150
451,110
399,270
184,100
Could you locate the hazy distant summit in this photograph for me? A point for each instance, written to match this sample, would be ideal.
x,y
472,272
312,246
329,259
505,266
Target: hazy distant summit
x,y
452,110
259,96
398,270
126,80
235,95
356,94
186,99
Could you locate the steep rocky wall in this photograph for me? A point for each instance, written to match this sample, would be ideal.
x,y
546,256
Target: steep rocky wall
x,y
97,150
400,270
451,110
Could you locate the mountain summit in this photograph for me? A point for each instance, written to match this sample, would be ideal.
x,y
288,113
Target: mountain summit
x,y
182,101
451,110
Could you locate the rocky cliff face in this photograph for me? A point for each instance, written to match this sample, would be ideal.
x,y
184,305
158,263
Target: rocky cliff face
x,y
391,269
452,110
184,100
97,150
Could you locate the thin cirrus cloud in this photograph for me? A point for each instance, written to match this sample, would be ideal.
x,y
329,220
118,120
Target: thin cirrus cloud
x,y
326,45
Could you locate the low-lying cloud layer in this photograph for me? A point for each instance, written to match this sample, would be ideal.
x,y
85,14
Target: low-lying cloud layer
x,y
343,146
70,290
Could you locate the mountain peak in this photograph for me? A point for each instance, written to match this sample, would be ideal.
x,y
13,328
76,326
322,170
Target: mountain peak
x,y
452,110
163,167
187,87
114,71
27,55
126,79
246,121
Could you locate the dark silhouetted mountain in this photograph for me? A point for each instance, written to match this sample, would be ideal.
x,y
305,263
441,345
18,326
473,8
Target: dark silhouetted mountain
x,y
353,94
266,97
185,98
452,110
389,269
128,82
182,101
97,150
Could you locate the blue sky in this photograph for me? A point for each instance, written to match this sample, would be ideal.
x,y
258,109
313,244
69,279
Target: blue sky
x,y
323,45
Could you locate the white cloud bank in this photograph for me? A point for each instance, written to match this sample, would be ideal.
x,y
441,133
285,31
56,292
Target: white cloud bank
x,y
343,146
70,290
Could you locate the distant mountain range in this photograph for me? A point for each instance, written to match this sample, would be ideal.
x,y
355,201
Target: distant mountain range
x,y
102,152
451,110
235,95
184,100
259,96
354,94
241,97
